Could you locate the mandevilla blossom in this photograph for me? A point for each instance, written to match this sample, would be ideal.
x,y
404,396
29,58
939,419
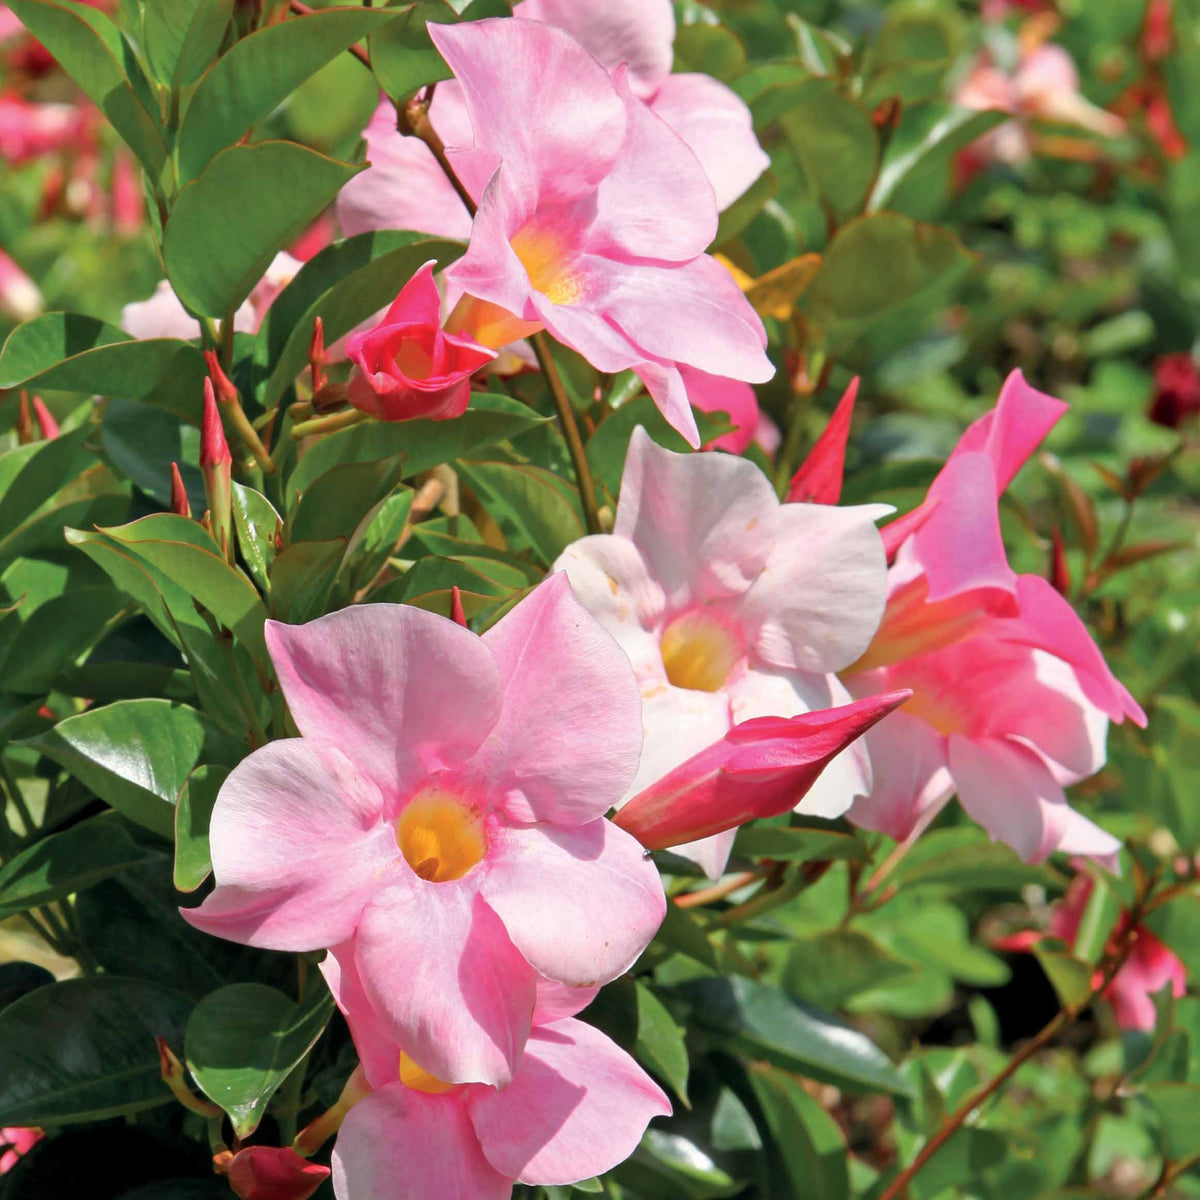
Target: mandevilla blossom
x,y
273,1173
1012,697
404,188
28,130
593,219
444,809
576,1107
731,606
14,1143
407,366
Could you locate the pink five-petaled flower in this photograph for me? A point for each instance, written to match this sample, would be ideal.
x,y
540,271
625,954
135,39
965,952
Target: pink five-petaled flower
x,y
273,1173
1012,698
444,808
593,219
404,188
731,606
15,1142
576,1107
407,366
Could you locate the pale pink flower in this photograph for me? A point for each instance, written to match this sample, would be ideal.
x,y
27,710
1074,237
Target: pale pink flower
x,y
20,298
712,394
731,606
404,188
1044,87
593,221
162,315
577,1106
14,1143
408,366
1012,698
28,130
444,807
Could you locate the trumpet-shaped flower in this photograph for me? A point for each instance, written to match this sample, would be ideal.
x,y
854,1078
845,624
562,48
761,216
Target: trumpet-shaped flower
x,y
444,808
577,1106
731,606
407,366
1012,698
404,188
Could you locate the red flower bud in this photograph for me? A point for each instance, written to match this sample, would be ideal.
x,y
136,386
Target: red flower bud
x,y
214,449
179,496
819,479
45,419
457,613
226,392
1176,390
273,1173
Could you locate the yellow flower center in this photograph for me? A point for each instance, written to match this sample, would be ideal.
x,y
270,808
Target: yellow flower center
x,y
420,1080
942,712
543,255
699,651
440,837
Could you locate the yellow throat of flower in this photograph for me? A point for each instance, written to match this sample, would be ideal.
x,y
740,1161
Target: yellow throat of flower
x,y
699,652
440,837
420,1080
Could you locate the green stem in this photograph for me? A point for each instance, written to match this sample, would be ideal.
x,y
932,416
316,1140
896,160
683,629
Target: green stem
x,y
329,424
18,797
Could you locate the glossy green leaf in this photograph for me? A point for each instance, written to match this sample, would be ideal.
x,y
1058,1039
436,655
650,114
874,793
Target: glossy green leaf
x,y
84,1050
67,862
762,1022
1071,976
143,442
402,55
228,207
193,811
244,1040
183,36
260,72
798,844
136,755
33,474
73,353
337,503
343,285
256,523
828,969
421,444
302,577
966,858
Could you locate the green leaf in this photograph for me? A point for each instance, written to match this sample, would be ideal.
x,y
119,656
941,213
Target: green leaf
x,y
256,522
244,1040
226,226
1071,976
68,862
668,1166
805,1139
142,443
402,55
875,264
89,47
193,812
31,475
421,444
337,503
764,1023
260,72
183,36
1177,754
828,969
965,858
343,285
302,576
84,1050
136,755
1176,1106
786,843
660,1041
72,353
543,506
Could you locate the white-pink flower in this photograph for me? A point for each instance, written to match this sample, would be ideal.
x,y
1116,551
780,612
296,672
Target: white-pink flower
x,y
731,606
444,809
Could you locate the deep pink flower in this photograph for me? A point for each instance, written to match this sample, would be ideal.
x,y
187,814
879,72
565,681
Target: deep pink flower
x,y
273,1173
1176,390
576,1107
731,606
819,479
28,130
14,1143
404,188
1012,698
407,366
444,807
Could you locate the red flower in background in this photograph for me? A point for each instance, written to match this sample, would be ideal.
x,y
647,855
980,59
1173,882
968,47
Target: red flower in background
x,y
1176,390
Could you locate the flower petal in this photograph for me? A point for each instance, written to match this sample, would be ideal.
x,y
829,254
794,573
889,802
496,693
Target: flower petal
x,y
298,848
374,1041
818,601
439,967
716,125
400,691
704,523
401,1142
577,1107
569,737
558,890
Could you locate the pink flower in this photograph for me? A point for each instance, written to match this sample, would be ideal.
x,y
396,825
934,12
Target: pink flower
x,y
273,1173
1012,697
731,606
20,298
14,1143
406,189
1044,87
162,315
444,808
28,131
593,221
407,366
712,394
577,1106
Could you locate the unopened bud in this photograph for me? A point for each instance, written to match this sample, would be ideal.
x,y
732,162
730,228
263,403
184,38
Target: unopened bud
x,y
316,355
457,613
216,465
1060,572
226,392
179,496
173,1077
269,1173
45,419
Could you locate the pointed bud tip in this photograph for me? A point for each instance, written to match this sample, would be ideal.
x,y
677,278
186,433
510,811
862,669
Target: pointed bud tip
x,y
214,449
45,419
225,391
457,613
179,497
819,478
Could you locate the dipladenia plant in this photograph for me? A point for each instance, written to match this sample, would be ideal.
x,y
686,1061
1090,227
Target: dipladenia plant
x,y
598,599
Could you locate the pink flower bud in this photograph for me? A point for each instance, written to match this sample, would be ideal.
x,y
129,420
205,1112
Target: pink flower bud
x,y
408,366
274,1173
760,768
45,419
216,465
819,479
179,496
14,1143
214,449
225,391
457,612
